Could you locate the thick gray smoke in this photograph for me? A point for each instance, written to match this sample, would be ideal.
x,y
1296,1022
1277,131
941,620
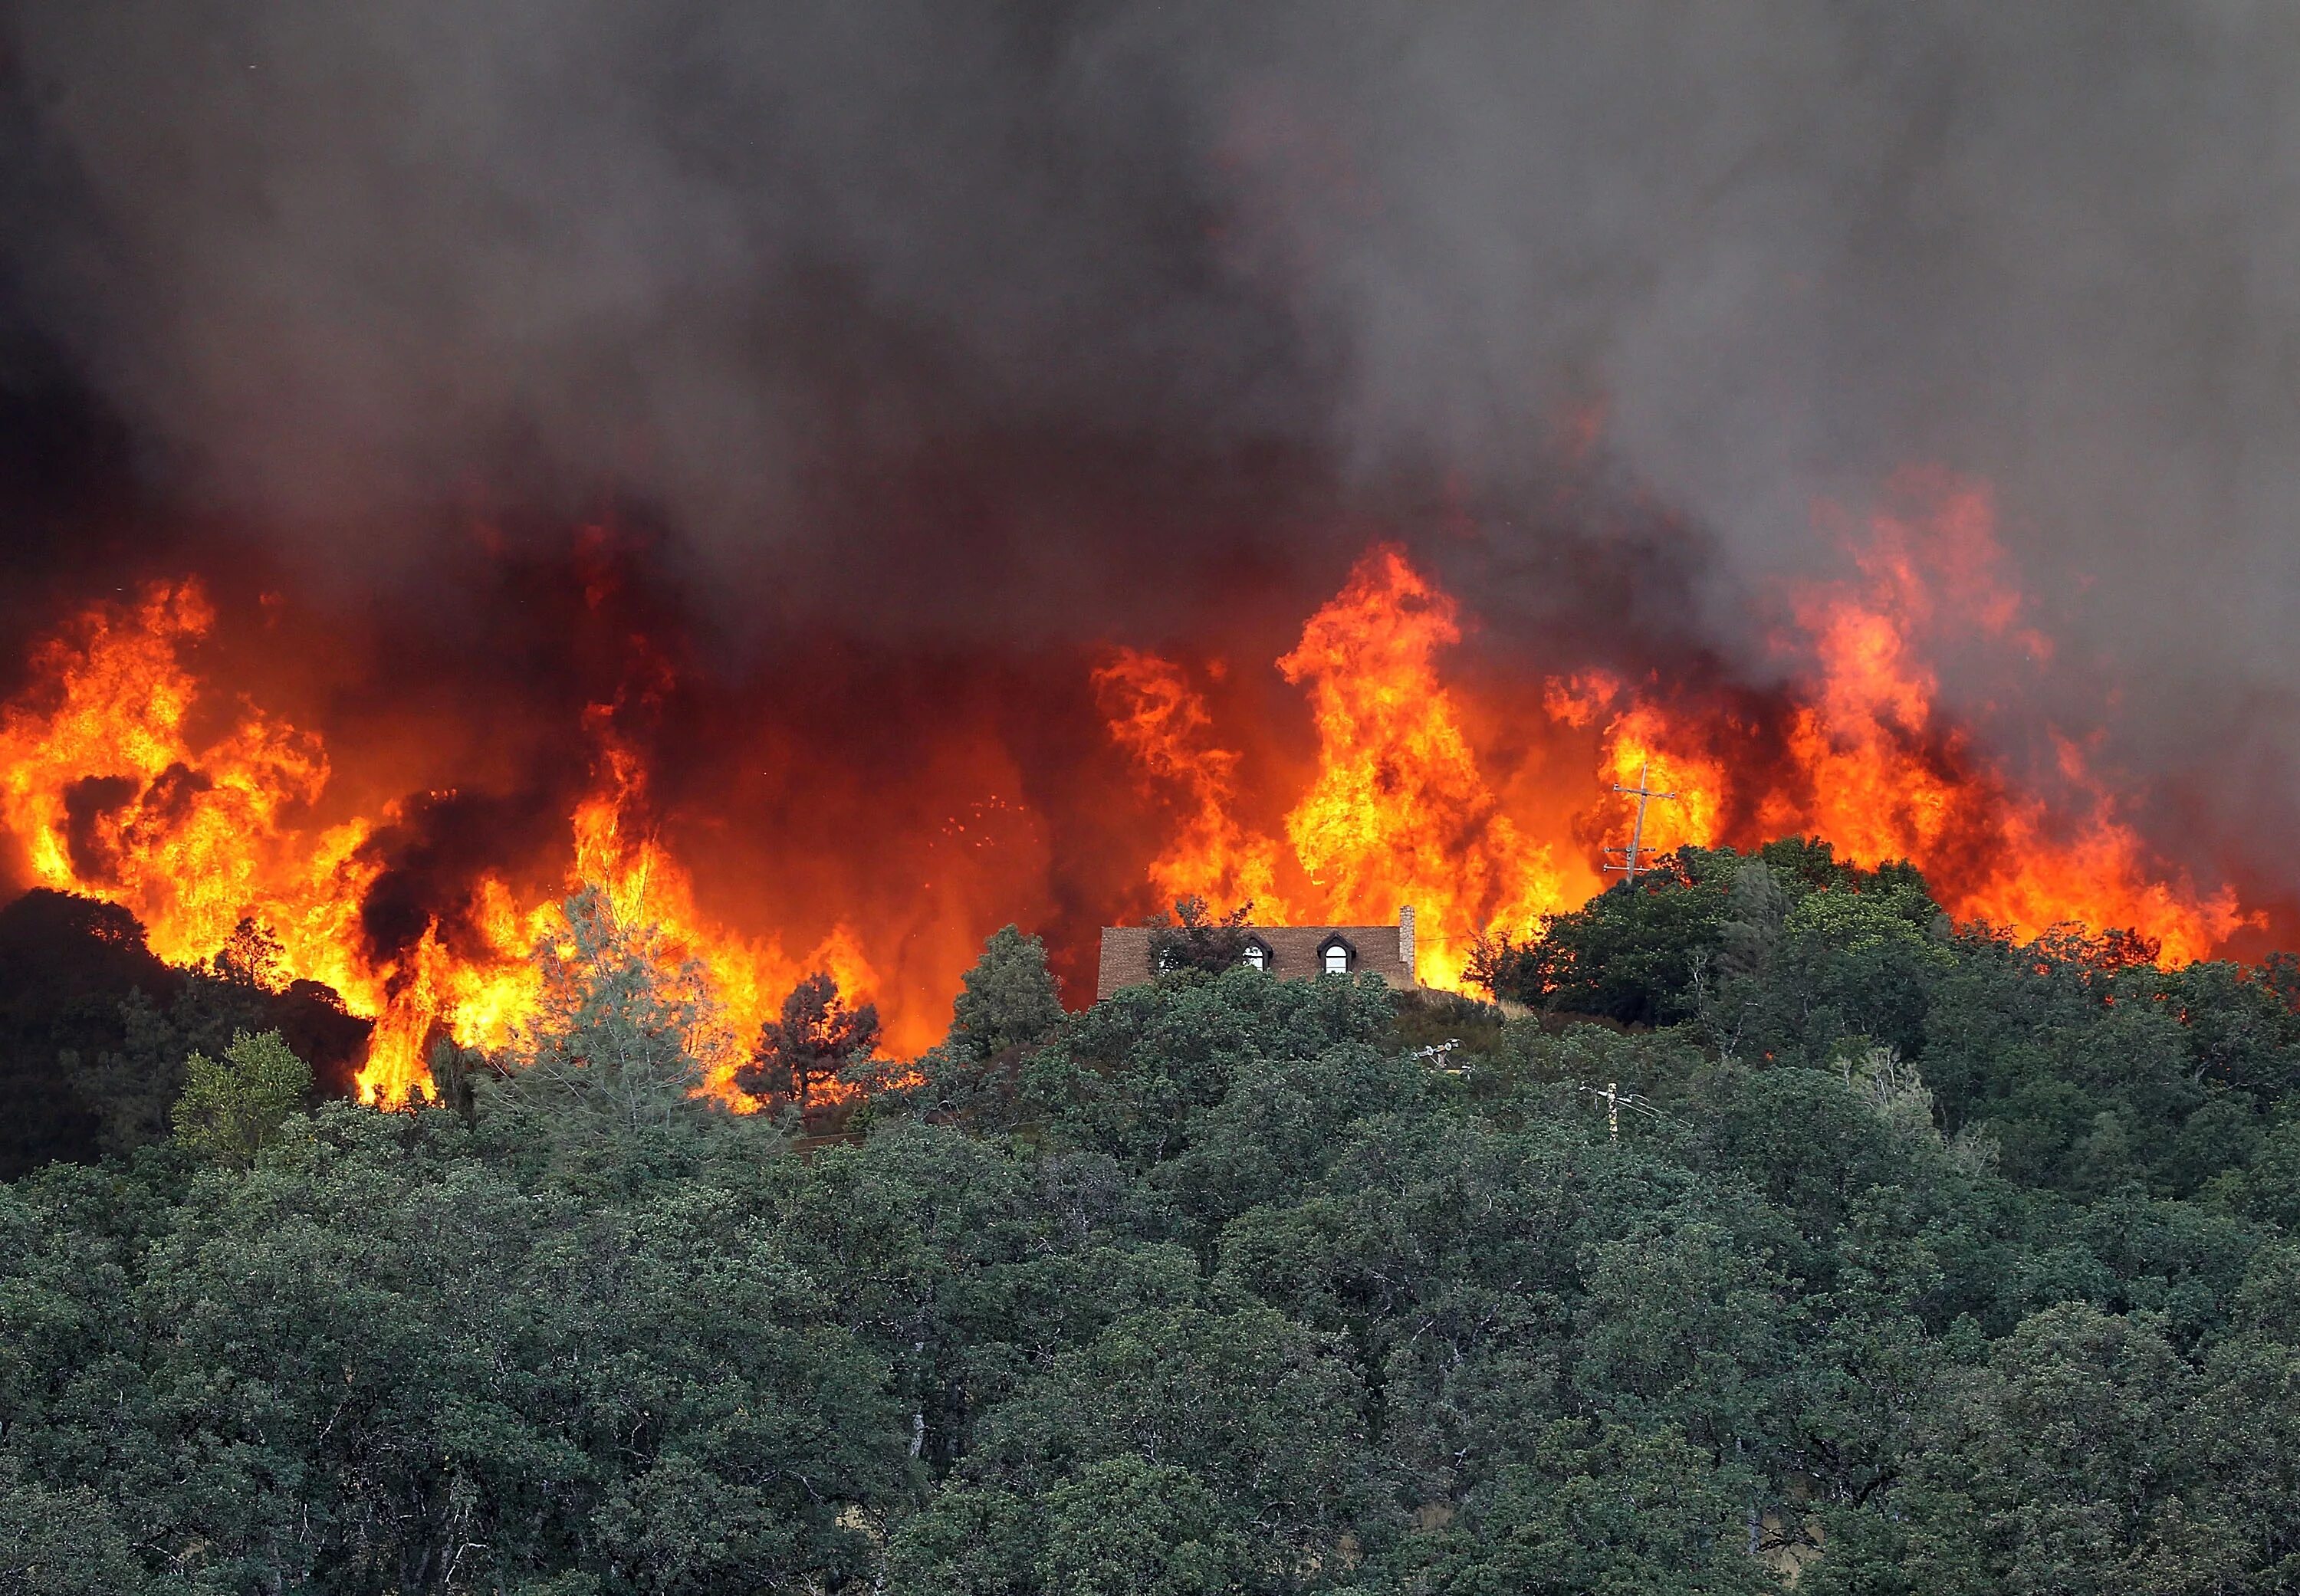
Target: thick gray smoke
x,y
1002,307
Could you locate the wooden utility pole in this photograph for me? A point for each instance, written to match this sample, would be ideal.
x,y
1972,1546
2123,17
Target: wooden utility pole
x,y
1644,796
1615,1100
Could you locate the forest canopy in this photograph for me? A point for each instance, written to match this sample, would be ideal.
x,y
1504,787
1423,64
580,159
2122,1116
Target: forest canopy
x,y
1911,1260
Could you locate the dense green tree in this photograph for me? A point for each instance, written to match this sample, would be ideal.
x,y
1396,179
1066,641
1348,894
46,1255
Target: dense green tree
x,y
379,1363
970,1541
1126,1075
63,1544
2065,1448
1845,967
1263,1422
132,1089
66,964
1008,1005
1631,953
1192,936
1126,1526
815,1038
1669,947
1578,1518
602,1087
1279,1126
132,1085
233,1107
1924,1262
2082,1075
1009,999
94,1029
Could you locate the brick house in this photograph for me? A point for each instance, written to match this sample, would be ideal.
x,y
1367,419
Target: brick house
x,y
1290,953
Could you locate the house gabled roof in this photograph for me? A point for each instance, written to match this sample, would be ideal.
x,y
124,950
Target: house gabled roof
x,y
1384,950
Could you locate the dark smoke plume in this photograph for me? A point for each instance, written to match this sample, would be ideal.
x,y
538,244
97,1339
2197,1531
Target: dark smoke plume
x,y
921,325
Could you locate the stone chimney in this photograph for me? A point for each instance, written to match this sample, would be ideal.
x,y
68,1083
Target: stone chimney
x,y
1405,944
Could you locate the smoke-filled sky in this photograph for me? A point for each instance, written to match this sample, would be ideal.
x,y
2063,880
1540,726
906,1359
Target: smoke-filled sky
x,y
1052,321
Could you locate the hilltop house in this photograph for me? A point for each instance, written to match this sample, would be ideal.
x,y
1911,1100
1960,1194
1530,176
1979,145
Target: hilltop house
x,y
1290,953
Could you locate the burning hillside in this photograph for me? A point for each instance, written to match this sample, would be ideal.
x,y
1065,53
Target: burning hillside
x,y
849,481
1392,777
1852,749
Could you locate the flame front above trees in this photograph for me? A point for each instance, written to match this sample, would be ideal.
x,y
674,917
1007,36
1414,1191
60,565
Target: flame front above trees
x,y
102,784
1399,811
110,796
1159,720
1484,801
1854,749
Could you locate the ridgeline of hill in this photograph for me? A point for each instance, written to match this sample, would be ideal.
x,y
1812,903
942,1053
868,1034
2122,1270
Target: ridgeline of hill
x,y
95,1027
1920,1263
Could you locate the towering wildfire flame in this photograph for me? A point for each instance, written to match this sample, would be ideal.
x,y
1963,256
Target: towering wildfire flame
x,y
1156,716
1400,813
124,777
110,796
100,783
1875,769
1858,754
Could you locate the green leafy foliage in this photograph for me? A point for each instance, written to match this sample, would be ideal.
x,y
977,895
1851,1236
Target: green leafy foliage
x,y
233,1107
1008,1006
95,1030
1009,999
601,1090
1193,937
1630,955
1918,1262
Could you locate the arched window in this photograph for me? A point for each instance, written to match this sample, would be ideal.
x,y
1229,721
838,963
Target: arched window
x,y
1335,956
1256,954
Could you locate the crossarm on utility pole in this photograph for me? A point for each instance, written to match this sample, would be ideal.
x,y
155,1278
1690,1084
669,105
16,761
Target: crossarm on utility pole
x,y
1644,796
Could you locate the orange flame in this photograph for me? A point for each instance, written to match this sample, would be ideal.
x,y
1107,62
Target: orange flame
x,y
1642,750
100,784
1400,810
122,775
1888,780
1399,813
110,797
1641,745
1161,721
